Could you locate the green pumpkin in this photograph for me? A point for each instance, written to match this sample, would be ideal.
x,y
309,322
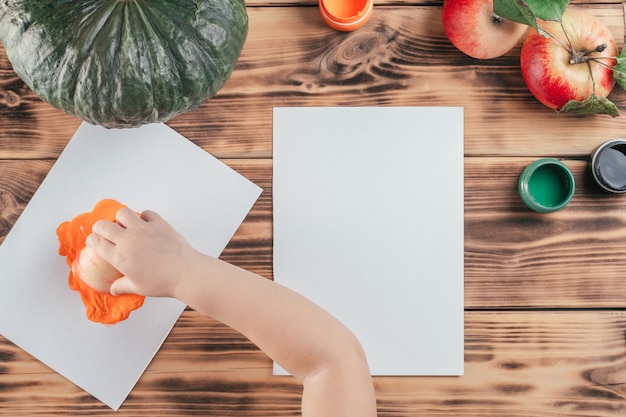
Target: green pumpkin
x,y
123,63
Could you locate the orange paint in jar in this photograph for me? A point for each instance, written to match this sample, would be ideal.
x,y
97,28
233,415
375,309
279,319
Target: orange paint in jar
x,y
346,15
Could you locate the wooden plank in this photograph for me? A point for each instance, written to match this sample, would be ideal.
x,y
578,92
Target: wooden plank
x,y
514,258
523,364
18,182
518,364
401,58
572,258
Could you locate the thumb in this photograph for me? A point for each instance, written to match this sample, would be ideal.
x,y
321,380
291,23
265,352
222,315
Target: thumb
x,y
123,285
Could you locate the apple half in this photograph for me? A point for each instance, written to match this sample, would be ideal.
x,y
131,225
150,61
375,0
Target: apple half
x,y
476,30
94,271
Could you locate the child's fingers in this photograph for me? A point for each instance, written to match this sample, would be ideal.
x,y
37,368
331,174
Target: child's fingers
x,y
150,216
123,285
103,247
108,230
125,217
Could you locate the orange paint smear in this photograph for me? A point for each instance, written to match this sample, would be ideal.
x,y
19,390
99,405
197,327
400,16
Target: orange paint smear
x,y
100,307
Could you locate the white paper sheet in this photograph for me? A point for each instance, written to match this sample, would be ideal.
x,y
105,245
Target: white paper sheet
x,y
151,167
368,223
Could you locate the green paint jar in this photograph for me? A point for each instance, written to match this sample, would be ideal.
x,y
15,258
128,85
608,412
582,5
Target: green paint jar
x,y
546,185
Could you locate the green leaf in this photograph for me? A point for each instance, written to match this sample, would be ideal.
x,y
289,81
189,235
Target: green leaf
x,y
593,105
528,11
548,9
515,10
619,70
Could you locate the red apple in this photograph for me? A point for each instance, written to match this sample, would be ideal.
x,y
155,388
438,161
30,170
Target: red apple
x,y
94,271
474,28
567,65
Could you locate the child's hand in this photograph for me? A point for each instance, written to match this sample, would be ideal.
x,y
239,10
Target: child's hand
x,y
150,254
299,335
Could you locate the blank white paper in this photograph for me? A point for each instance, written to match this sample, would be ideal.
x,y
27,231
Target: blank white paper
x,y
150,167
368,223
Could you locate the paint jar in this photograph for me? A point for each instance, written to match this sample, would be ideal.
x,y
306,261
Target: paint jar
x,y
546,185
346,15
608,165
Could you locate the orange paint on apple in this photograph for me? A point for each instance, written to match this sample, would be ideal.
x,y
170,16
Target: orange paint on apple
x,y
90,275
97,273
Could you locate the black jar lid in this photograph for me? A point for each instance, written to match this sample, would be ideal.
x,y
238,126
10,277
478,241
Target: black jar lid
x,y
608,165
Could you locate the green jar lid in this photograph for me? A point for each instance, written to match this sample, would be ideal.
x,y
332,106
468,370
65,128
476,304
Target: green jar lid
x,y
546,185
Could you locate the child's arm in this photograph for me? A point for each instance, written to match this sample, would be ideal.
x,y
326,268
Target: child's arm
x,y
300,336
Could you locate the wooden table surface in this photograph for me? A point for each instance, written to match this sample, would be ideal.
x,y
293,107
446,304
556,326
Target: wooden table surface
x,y
545,294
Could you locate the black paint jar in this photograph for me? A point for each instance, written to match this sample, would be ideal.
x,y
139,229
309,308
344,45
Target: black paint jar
x,y
608,165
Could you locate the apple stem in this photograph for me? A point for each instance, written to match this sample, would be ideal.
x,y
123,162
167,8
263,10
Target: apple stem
x,y
556,39
597,59
575,57
583,56
496,19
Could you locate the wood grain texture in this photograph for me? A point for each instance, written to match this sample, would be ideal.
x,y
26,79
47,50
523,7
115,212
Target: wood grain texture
x,y
545,321
572,258
401,58
518,364
514,257
18,182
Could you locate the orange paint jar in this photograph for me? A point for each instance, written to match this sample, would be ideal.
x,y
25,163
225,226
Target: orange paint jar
x,y
346,15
